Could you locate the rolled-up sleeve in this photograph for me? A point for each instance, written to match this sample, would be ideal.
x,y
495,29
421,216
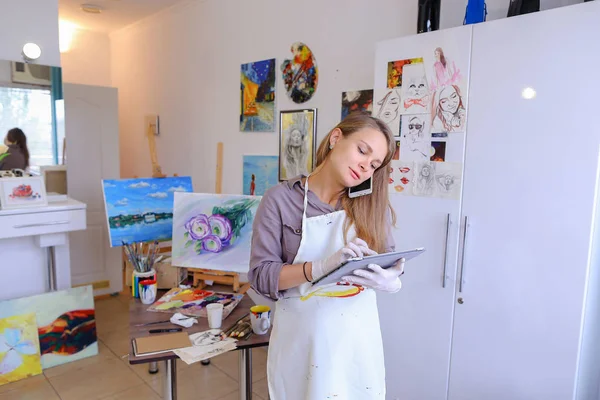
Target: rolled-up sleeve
x,y
266,254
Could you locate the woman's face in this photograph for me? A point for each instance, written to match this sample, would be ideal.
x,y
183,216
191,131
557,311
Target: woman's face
x,y
295,139
437,55
355,157
389,110
449,100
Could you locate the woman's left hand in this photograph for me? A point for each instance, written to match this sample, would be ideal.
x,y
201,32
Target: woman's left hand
x,y
386,280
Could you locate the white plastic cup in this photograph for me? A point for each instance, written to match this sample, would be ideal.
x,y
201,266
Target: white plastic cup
x,y
215,315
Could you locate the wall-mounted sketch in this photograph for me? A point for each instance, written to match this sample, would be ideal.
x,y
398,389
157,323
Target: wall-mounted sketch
x,y
439,151
415,91
448,112
297,137
424,179
386,106
404,176
394,71
415,139
448,180
445,72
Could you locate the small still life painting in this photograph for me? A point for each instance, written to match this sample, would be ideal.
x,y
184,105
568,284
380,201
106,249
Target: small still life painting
x,y
213,231
359,100
141,210
300,74
260,173
65,320
193,302
297,141
22,192
19,348
258,96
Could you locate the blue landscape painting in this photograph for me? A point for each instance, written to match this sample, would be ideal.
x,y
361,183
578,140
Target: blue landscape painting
x,y
141,210
260,173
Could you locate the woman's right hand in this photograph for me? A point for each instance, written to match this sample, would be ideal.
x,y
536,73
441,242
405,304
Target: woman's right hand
x,y
355,248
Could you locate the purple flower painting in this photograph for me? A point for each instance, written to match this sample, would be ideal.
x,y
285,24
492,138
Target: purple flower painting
x,y
213,231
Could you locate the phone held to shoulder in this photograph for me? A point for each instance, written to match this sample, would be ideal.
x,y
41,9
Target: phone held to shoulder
x,y
361,190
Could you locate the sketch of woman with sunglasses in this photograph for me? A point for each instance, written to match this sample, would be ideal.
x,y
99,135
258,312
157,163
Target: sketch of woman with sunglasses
x,y
448,112
416,145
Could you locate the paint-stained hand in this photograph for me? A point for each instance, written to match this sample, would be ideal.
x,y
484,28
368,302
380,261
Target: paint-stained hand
x,y
385,280
355,248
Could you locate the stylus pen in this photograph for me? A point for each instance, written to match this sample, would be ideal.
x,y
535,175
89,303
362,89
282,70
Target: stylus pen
x,y
166,330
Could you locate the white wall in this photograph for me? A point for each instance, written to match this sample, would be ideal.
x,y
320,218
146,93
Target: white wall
x,y
23,21
87,61
184,64
453,11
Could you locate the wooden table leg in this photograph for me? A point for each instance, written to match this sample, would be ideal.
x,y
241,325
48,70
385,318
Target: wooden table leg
x,y
170,380
245,380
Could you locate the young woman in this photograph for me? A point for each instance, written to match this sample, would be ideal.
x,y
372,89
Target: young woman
x,y
326,340
17,148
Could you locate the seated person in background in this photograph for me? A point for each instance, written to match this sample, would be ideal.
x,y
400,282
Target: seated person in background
x,y
18,154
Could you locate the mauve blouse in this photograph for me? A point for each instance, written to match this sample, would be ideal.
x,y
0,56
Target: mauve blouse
x,y
277,230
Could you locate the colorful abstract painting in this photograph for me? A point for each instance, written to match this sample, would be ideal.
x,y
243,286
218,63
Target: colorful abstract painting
x,y
213,231
66,323
260,173
141,210
360,100
300,74
257,96
19,348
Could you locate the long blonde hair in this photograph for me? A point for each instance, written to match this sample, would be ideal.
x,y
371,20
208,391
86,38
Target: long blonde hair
x,y
369,213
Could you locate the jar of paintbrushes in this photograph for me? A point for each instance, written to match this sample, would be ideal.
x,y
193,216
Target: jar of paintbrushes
x,y
143,257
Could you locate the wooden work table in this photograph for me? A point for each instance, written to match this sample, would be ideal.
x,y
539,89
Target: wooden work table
x,y
139,315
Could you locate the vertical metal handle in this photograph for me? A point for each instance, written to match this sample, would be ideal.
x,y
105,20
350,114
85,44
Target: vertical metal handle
x,y
448,223
464,253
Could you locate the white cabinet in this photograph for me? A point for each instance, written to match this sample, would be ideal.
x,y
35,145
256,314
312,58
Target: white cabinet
x,y
25,237
518,319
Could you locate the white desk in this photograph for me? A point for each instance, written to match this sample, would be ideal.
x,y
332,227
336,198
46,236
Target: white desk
x,y
34,247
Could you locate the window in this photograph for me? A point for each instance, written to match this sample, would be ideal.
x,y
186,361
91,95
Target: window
x,y
30,110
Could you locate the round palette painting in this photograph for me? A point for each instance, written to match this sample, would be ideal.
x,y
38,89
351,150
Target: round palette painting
x,y
300,75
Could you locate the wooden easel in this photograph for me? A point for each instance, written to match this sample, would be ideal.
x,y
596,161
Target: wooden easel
x,y
221,277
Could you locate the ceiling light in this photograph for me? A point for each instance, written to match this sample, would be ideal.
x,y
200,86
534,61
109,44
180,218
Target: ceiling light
x,y
91,8
31,52
528,93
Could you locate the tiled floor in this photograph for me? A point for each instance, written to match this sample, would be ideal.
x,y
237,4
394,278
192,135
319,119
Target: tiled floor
x,y
108,376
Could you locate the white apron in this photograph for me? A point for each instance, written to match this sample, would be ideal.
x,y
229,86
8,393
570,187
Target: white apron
x,y
326,341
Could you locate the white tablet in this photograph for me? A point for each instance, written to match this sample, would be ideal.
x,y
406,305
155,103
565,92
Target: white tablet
x,y
385,260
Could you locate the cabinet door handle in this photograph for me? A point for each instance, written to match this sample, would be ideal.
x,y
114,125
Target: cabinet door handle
x,y
448,223
41,224
464,254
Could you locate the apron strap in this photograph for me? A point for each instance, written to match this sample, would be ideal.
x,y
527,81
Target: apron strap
x,y
305,201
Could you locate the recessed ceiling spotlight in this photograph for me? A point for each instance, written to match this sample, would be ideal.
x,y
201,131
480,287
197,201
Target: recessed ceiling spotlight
x,y
91,8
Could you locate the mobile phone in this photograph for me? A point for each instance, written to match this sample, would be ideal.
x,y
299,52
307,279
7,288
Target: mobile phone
x,y
360,190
